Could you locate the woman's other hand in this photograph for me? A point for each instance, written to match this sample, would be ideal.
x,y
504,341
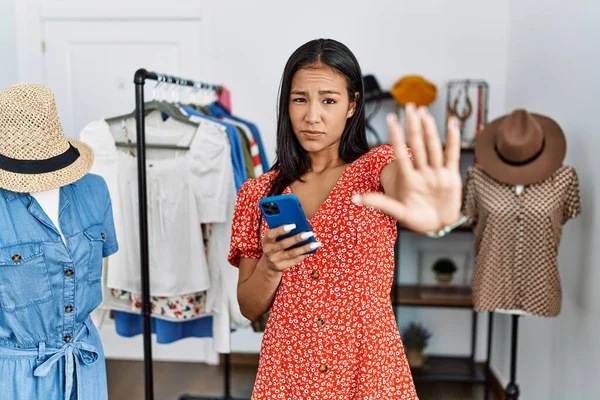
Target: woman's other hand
x,y
278,259
423,194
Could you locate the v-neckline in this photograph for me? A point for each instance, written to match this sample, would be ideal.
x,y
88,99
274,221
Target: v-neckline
x,y
288,190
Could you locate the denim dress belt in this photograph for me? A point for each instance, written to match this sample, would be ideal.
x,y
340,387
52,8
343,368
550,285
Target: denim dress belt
x,y
75,353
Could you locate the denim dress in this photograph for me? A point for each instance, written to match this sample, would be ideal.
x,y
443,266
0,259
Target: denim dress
x,y
49,347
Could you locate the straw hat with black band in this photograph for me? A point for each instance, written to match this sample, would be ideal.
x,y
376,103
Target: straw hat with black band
x,y
35,154
521,148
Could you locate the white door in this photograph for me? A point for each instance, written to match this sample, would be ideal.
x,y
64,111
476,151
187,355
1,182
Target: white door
x,y
87,53
90,55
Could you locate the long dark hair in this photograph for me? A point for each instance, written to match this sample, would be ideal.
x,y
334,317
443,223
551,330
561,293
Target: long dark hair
x,y
292,161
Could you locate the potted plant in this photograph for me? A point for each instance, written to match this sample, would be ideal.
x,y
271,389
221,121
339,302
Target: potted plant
x,y
415,338
444,269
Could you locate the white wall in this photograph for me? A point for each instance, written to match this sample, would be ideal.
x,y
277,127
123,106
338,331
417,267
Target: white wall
x,y
390,38
440,39
8,45
553,69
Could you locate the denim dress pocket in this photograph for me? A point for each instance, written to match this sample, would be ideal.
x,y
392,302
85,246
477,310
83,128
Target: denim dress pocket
x,y
24,276
95,237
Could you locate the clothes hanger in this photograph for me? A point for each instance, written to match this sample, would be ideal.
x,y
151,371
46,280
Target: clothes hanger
x,y
156,105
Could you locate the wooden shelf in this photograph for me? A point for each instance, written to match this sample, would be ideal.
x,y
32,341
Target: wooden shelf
x,y
432,296
449,369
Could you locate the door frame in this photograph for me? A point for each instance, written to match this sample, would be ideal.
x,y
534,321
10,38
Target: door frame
x,y
31,14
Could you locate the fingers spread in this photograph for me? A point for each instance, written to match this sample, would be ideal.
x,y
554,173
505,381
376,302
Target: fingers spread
x,y
453,145
415,136
432,139
396,135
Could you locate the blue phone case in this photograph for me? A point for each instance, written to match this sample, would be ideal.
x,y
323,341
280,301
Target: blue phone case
x,y
283,210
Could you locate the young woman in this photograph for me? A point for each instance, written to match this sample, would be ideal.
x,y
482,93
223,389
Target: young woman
x,y
331,332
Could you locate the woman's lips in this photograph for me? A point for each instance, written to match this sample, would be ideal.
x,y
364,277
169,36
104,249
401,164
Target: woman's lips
x,y
313,134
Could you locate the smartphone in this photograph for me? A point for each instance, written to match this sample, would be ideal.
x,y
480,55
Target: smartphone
x,y
285,209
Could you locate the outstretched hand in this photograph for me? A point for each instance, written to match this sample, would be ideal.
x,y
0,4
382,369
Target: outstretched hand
x,y
422,194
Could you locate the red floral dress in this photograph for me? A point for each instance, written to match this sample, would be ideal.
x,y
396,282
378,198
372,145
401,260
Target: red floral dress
x,y
331,333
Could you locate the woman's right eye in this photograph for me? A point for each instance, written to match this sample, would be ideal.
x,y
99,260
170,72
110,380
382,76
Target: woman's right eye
x,y
299,100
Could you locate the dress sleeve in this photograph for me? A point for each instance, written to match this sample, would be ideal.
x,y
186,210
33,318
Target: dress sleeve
x,y
469,204
376,159
245,241
572,205
111,245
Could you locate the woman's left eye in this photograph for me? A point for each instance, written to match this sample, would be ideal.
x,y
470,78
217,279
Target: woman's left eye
x,y
329,101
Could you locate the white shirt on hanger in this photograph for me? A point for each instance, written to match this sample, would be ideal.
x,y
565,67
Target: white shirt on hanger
x,y
178,263
212,173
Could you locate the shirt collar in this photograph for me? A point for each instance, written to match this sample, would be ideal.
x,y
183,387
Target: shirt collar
x,y
10,196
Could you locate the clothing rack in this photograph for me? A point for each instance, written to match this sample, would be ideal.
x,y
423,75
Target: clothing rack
x,y
512,389
140,78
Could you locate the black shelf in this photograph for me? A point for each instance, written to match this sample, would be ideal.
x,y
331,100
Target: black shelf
x,y
449,369
445,369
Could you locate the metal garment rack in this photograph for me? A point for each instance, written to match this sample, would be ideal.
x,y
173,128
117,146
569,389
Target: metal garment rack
x,y
511,392
140,78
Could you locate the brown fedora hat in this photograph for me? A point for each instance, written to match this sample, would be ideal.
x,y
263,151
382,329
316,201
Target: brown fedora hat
x,y
521,148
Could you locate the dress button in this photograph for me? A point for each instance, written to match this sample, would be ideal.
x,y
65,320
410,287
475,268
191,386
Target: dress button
x,y
67,339
68,309
320,322
69,272
16,258
323,368
315,275
103,236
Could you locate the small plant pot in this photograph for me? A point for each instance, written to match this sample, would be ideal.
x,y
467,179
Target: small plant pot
x,y
416,358
444,278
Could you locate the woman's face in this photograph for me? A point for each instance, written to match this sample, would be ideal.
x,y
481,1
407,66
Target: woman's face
x,y
319,107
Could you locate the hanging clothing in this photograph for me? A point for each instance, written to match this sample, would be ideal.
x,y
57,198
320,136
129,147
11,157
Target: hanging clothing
x,y
255,165
218,110
331,333
175,242
49,348
227,315
517,239
175,308
130,325
210,147
237,152
224,99
248,162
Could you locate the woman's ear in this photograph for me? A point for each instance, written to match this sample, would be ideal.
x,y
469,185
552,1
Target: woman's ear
x,y
352,106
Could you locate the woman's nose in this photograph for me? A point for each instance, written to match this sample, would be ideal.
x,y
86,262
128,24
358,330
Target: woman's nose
x,y
313,114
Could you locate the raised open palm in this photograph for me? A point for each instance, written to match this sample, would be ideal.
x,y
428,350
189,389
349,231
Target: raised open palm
x,y
424,193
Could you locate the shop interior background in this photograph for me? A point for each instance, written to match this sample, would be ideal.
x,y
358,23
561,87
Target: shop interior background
x,y
540,55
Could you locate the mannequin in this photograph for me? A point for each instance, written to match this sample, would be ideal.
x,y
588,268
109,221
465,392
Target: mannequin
x,y
517,198
57,226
